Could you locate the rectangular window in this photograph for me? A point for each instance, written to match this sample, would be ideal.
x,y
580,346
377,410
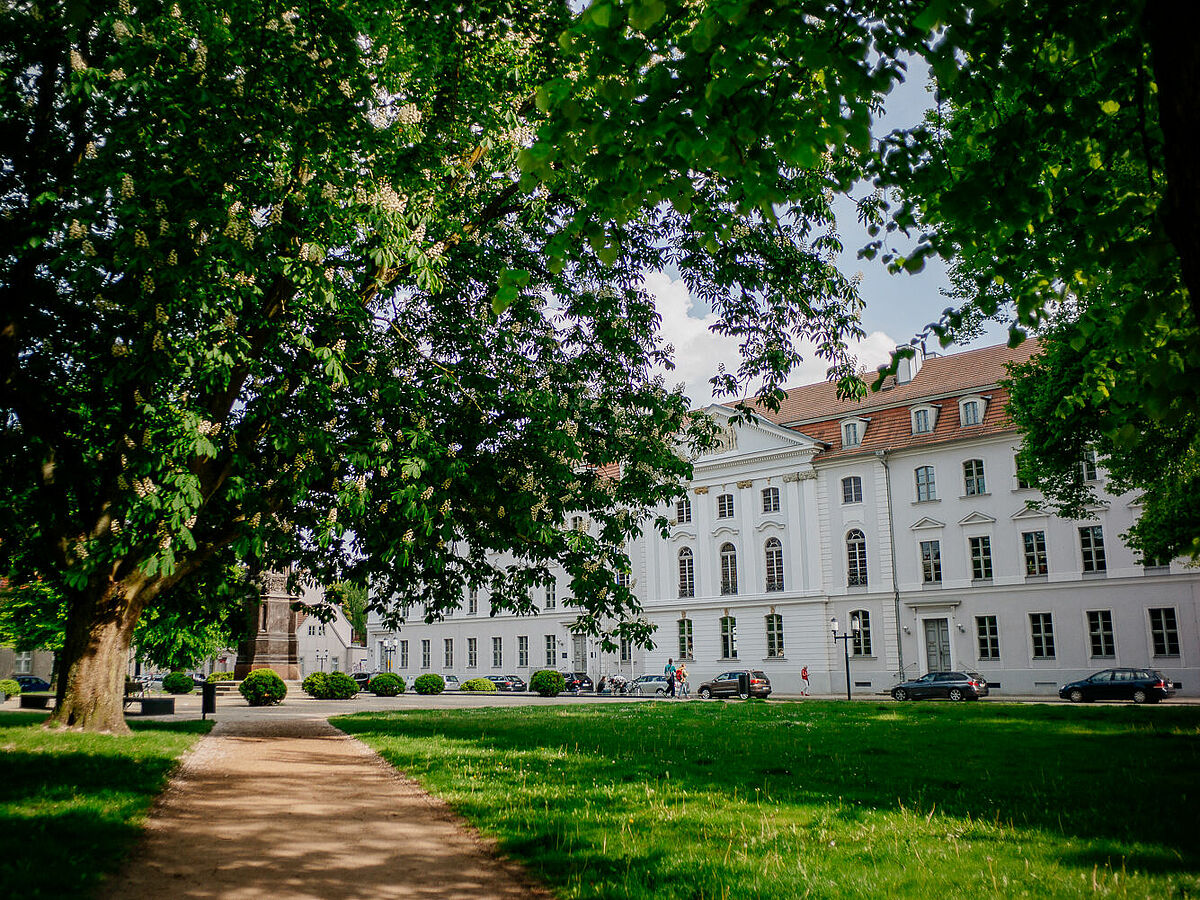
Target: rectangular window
x,y
970,412
1022,483
1091,543
1036,562
551,595
1164,632
1041,629
981,557
424,654
860,641
775,635
448,652
852,489
497,653
683,511
988,632
551,651
626,650
926,488
931,562
973,481
685,639
725,506
770,498
850,435
403,655
523,651
472,653
728,637
921,422
577,523
23,663
1100,633
1087,466
473,603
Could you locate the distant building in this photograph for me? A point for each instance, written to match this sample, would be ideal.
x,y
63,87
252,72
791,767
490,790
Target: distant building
x,y
327,647
902,512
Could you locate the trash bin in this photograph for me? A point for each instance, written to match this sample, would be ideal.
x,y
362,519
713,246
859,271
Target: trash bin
x,y
208,698
743,684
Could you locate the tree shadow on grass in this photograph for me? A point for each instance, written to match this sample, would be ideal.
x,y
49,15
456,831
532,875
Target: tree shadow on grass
x,y
70,813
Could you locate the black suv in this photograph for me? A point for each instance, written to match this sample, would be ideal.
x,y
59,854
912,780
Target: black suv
x,y
728,684
577,681
950,685
1138,685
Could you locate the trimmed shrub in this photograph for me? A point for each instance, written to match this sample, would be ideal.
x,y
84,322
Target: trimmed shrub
x,y
341,686
429,683
386,685
548,683
214,677
315,684
263,687
9,688
482,685
178,683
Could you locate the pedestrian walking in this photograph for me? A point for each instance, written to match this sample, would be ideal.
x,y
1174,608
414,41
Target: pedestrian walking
x,y
669,671
684,688
804,678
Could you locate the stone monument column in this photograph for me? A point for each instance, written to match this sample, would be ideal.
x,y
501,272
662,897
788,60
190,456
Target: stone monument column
x,y
272,640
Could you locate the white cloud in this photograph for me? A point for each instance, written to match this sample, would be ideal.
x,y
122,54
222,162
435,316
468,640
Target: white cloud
x,y
699,350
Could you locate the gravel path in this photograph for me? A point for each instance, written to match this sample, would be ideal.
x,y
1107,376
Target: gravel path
x,y
290,808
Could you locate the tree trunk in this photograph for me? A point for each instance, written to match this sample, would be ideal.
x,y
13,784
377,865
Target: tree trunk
x,y
91,682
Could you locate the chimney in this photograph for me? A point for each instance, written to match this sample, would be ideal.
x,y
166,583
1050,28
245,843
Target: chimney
x,y
908,368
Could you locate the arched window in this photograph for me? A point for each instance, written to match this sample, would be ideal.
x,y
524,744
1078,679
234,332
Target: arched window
x,y
774,565
687,574
728,569
856,558
860,645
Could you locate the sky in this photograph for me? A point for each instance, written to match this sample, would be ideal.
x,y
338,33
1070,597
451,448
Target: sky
x,y
897,306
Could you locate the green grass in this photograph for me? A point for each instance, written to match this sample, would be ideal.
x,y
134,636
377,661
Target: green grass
x,y
821,799
72,805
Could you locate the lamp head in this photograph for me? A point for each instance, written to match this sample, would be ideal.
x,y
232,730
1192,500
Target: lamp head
x,y
833,625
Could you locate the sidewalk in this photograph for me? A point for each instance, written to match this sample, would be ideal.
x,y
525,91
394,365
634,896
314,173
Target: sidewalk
x,y
292,809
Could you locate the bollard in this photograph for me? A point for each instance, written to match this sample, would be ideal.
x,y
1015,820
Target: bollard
x,y
743,684
208,699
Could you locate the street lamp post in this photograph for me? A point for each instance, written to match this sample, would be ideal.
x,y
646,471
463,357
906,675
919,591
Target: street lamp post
x,y
322,658
389,650
845,637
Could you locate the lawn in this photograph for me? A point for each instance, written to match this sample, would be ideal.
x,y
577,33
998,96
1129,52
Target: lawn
x,y
72,805
820,799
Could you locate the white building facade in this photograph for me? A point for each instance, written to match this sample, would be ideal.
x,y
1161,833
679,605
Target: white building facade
x,y
902,512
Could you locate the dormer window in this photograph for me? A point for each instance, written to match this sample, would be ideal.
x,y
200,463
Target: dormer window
x,y
970,410
923,419
852,432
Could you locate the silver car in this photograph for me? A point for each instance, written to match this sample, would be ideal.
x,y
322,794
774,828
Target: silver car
x,y
651,685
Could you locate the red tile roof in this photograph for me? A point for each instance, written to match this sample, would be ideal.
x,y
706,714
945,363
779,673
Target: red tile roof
x,y
816,411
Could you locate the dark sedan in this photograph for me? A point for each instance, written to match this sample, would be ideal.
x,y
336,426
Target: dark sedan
x,y
1138,685
729,684
948,685
500,681
517,683
577,681
31,683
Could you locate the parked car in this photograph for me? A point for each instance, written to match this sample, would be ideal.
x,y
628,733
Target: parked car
x,y
1138,685
30,683
728,684
577,681
500,681
518,684
363,678
452,682
950,685
648,684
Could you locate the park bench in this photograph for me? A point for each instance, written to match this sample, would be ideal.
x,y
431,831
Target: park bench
x,y
37,700
135,692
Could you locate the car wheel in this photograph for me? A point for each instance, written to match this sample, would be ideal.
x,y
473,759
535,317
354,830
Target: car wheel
x,y
899,694
956,694
1076,696
705,693
1139,696
659,692
745,695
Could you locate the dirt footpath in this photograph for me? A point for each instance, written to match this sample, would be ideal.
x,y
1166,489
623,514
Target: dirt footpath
x,y
292,808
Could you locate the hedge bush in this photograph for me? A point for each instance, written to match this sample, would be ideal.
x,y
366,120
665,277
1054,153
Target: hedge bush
x,y
548,683
178,683
330,686
9,688
315,684
482,685
386,685
219,676
429,684
263,687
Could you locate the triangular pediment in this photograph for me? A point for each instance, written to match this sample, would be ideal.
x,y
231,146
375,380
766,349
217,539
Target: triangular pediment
x,y
1026,513
926,522
977,518
742,439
